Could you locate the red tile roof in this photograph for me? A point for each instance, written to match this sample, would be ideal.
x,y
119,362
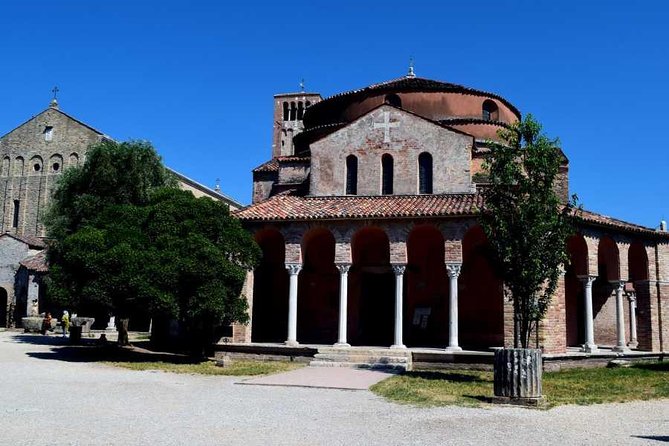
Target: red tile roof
x,y
273,164
31,241
36,263
286,207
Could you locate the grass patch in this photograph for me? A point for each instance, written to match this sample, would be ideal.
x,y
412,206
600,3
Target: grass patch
x,y
577,386
237,368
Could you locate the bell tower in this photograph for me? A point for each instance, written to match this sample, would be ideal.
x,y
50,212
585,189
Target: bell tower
x,y
289,109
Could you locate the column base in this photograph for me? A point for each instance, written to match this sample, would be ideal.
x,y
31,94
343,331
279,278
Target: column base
x,y
621,349
453,348
589,348
633,344
292,343
398,346
342,345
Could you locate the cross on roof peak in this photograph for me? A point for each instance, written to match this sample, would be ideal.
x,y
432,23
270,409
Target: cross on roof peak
x,y
411,73
54,101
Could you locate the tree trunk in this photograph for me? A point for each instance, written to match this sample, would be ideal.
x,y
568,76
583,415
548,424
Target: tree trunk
x,y
122,328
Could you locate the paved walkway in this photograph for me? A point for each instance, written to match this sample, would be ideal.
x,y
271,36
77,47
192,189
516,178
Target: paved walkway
x,y
342,378
50,399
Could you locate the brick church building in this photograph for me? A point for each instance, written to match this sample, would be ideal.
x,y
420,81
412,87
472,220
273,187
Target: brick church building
x,y
366,214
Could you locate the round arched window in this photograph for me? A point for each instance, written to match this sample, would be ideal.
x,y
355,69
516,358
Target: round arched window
x,y
56,167
37,167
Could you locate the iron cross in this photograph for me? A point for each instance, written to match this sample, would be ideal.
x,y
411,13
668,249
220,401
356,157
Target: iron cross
x,y
386,125
55,92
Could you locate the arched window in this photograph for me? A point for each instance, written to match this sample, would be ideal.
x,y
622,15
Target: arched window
x,y
393,99
5,166
18,166
293,111
300,110
74,160
490,111
351,175
285,111
425,173
386,174
307,104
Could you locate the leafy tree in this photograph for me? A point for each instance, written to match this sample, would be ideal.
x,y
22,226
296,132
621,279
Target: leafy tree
x,y
525,221
125,239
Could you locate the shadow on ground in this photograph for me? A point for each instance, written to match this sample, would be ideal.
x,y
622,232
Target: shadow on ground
x,y
661,438
91,351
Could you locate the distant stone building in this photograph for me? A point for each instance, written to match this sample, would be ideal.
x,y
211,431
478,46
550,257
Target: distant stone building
x,y
367,220
33,156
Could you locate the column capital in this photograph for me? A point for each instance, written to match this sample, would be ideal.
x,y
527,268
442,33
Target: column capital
x,y
343,267
617,284
399,268
587,279
294,268
631,296
453,269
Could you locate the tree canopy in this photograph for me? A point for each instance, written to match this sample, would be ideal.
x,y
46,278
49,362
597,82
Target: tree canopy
x,y
126,239
525,221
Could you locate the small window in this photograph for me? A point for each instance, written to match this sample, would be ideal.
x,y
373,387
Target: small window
x,y
425,173
15,221
300,110
293,111
56,167
285,111
307,104
37,167
386,174
490,111
48,133
351,175
393,99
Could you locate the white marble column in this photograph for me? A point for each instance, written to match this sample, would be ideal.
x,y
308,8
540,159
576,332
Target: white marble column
x,y
620,346
399,292
343,303
589,345
293,270
32,307
453,274
633,343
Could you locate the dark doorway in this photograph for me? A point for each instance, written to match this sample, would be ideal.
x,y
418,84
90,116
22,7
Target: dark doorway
x,y
377,315
3,307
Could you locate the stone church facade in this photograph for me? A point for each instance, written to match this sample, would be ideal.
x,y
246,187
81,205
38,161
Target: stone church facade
x,y
367,220
34,155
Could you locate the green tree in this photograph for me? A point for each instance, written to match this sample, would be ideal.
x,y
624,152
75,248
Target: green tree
x,y
525,221
126,239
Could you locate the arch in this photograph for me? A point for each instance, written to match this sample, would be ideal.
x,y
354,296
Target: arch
x,y
270,289
603,292
285,111
481,300
490,111
393,99
318,300
638,262
387,173
608,259
426,315
574,297
351,175
300,110
74,160
307,104
6,162
371,289
18,166
4,307
293,111
56,163
425,173
36,165
638,274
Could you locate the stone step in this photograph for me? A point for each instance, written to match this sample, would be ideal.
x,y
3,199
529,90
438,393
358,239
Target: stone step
x,y
387,352
344,357
361,365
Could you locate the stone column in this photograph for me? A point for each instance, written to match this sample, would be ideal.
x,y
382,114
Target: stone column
x,y
343,303
399,291
453,274
589,345
633,343
32,307
620,317
293,270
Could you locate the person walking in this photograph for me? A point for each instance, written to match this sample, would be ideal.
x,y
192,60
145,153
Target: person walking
x,y
46,323
65,322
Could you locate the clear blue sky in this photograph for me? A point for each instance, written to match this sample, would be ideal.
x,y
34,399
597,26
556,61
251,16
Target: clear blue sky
x,y
197,78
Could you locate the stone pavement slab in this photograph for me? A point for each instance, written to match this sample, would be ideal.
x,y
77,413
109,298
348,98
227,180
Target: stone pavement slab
x,y
322,377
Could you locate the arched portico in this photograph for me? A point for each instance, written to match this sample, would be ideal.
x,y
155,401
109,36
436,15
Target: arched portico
x,y
574,291
604,292
639,298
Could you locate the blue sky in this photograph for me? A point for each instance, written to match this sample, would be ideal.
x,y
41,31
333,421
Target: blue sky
x,y
197,78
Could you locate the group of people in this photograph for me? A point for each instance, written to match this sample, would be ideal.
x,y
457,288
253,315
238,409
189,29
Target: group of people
x,y
64,323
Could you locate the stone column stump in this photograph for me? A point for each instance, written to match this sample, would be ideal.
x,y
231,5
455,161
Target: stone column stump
x,y
517,376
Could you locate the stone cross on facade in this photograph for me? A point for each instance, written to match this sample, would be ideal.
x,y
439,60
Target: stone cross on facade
x,y
386,125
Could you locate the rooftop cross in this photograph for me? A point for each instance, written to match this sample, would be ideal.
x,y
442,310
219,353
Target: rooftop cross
x,y
411,74
55,92
302,85
386,125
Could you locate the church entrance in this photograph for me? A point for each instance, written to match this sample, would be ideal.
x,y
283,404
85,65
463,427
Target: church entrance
x,y
3,308
371,290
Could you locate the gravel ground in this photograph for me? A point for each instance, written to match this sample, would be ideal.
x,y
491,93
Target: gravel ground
x,y
46,401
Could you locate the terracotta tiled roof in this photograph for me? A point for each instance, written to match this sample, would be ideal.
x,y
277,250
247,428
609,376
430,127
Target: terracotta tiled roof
x,y
273,164
31,241
36,263
288,207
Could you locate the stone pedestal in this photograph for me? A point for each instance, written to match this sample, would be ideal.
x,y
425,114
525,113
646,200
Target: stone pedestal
x,y
517,376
